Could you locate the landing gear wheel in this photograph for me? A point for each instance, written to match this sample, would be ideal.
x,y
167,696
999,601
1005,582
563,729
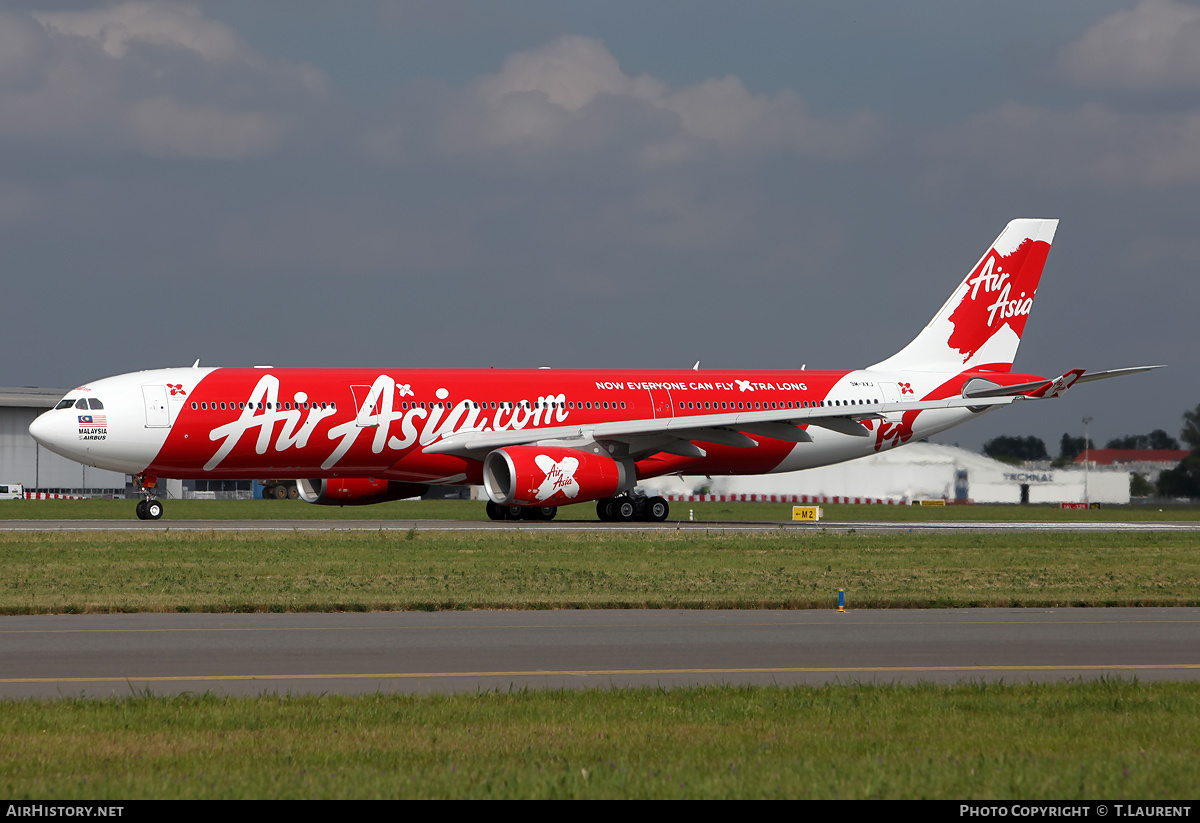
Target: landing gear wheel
x,y
656,510
604,509
539,512
512,512
140,510
154,510
624,510
493,511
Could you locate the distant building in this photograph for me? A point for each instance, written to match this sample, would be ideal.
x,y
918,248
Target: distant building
x,y
923,471
24,461
1149,463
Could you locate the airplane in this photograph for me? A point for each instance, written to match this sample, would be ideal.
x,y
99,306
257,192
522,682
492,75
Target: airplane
x,y
537,439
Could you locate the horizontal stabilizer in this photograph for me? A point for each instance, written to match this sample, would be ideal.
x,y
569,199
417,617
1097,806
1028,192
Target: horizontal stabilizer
x,y
1087,377
977,387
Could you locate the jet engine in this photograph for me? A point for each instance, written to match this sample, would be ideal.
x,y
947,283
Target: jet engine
x,y
356,491
552,476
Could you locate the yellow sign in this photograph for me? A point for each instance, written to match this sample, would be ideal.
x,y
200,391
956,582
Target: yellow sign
x,y
812,513
932,502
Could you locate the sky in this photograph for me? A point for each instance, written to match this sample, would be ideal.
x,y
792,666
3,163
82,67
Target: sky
x,y
626,184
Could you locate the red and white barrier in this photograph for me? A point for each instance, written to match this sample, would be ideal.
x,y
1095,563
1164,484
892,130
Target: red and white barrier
x,y
49,496
781,498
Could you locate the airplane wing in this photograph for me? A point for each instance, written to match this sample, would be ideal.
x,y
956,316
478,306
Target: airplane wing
x,y
674,435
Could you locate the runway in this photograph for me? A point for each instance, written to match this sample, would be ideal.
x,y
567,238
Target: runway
x,y
103,655
897,527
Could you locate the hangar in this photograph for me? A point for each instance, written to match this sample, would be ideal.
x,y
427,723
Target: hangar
x,y
24,461
924,471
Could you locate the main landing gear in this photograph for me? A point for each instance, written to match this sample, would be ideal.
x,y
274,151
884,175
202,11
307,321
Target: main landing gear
x,y
626,508
150,508
497,512
632,507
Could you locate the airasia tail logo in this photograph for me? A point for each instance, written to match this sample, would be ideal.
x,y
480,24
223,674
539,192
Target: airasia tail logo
x,y
560,476
999,293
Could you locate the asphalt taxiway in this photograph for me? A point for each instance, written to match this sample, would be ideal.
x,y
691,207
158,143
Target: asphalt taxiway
x,y
897,527
116,655
104,655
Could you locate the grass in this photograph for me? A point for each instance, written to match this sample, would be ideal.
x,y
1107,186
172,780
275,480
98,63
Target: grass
x,y
1107,739
76,572
473,510
1098,740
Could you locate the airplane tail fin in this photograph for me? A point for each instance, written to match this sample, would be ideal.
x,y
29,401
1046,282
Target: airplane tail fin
x,y
980,326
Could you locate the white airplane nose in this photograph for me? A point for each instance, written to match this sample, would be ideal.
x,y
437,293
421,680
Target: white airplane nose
x,y
42,429
53,431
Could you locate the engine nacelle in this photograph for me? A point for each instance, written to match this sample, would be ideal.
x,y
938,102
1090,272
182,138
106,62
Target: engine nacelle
x,y
356,491
552,476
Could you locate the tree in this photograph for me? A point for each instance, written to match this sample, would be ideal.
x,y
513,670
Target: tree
x,y
1016,449
1191,429
1157,439
1139,486
1070,447
1184,479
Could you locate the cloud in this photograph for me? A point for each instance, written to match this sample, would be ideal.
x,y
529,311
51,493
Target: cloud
x,y
1120,143
23,49
1154,46
164,127
571,95
158,78
1089,145
119,27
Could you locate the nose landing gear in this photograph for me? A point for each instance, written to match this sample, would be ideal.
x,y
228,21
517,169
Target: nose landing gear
x,y
150,508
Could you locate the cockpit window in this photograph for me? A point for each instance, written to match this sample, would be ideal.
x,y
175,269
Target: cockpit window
x,y
65,403
94,403
81,403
